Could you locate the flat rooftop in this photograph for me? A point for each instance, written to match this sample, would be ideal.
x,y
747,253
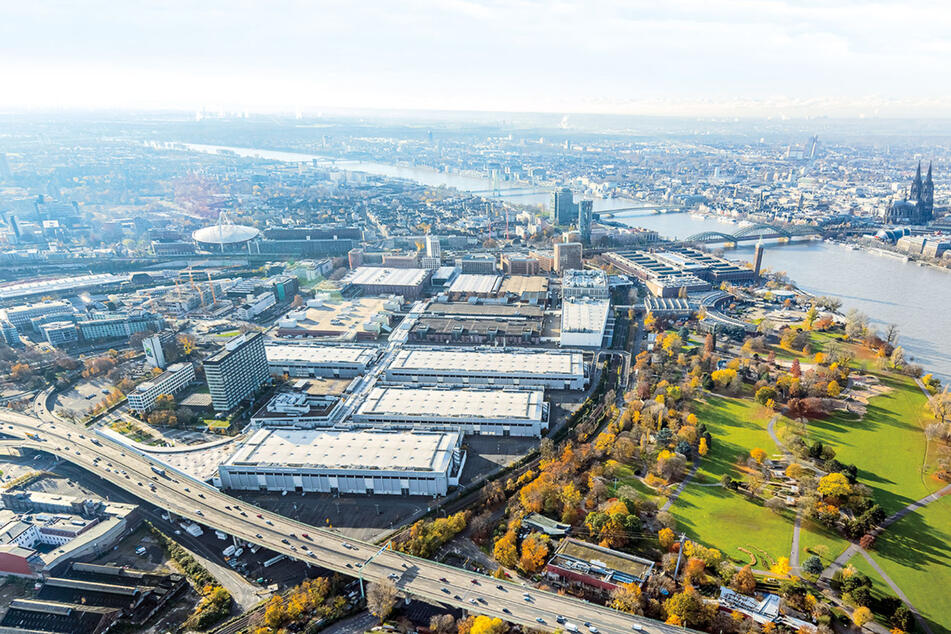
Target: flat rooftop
x,y
338,319
462,309
587,278
476,284
617,566
584,316
319,355
386,276
453,403
519,284
505,361
401,451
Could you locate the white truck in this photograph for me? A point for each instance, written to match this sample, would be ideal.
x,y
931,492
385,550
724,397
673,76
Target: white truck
x,y
192,529
227,552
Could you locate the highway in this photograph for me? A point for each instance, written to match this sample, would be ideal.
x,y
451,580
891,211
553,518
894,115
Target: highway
x,y
421,578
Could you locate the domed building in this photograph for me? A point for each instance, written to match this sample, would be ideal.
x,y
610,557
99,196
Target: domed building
x,y
225,236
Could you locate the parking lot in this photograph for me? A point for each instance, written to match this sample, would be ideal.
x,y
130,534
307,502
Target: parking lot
x,y
81,397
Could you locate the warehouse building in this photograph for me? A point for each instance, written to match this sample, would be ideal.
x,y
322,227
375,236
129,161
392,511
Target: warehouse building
x,y
590,283
378,280
474,285
583,322
477,331
492,412
176,378
552,369
362,462
313,361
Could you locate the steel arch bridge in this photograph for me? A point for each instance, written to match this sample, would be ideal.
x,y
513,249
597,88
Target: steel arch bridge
x,y
755,232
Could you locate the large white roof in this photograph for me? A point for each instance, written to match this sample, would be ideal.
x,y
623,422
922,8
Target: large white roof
x,y
584,315
403,451
319,355
449,404
225,234
510,361
386,276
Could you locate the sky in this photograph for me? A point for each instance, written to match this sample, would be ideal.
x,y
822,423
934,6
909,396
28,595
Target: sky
x,y
776,58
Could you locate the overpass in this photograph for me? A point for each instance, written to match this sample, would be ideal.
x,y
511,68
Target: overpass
x,y
427,580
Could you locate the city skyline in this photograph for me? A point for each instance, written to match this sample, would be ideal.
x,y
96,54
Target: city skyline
x,y
734,58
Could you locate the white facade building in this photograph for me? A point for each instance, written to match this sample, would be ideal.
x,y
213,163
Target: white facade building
x,y
311,361
175,379
354,462
590,283
493,412
256,305
583,322
480,367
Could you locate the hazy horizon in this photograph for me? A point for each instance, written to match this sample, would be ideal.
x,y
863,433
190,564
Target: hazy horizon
x,y
769,59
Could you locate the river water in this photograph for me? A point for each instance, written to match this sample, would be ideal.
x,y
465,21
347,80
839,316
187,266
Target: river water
x,y
888,290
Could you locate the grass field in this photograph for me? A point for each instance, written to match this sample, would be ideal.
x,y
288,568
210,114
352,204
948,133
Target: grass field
x,y
815,539
916,553
737,426
887,444
728,520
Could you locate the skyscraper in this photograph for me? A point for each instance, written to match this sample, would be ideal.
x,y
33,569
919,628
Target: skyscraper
x,y
432,247
563,209
585,211
237,371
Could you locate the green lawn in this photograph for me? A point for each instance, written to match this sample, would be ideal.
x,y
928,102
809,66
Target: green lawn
x,y
727,520
737,426
625,477
814,536
916,553
887,445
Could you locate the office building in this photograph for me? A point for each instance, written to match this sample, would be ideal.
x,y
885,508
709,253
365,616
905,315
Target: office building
x,y
552,369
119,325
568,255
298,409
11,335
256,305
585,283
476,264
312,361
345,462
563,209
508,412
433,249
175,379
585,214
154,347
583,322
21,316
237,371
59,333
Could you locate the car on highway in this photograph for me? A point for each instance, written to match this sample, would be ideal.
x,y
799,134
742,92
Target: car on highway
x,y
446,590
347,545
474,582
393,576
260,517
284,541
539,619
506,611
499,586
259,535
444,580
199,511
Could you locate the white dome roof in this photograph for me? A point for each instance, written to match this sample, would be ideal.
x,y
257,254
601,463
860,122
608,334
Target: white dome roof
x,y
225,234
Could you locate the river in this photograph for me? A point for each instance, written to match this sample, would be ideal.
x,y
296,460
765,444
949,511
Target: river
x,y
888,290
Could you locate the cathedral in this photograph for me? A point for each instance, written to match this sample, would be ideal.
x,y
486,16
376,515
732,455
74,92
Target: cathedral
x,y
918,207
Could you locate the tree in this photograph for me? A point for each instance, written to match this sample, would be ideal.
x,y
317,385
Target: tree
x,y
861,616
442,623
834,485
765,394
833,389
813,565
381,599
626,598
759,455
487,625
795,370
744,581
686,606
666,538
795,471
534,553
20,372
505,551
702,448
694,570
781,568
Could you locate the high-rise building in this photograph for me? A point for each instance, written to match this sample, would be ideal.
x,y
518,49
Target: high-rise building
x,y
234,373
154,354
585,212
433,249
568,255
563,209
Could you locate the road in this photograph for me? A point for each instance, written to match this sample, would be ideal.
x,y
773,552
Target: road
x,y
427,580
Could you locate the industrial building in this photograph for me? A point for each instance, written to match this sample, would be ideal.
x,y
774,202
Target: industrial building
x,y
314,360
509,412
237,371
377,280
587,283
297,409
345,462
667,268
567,256
363,318
175,379
584,322
476,330
552,369
469,285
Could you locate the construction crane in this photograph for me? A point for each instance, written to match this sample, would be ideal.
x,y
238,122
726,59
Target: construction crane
x,y
214,300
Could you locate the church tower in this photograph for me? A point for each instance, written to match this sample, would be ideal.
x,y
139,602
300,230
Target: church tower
x,y
916,185
926,201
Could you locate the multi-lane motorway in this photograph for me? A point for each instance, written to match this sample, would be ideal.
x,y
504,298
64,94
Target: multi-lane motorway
x,y
427,580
